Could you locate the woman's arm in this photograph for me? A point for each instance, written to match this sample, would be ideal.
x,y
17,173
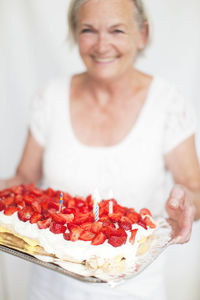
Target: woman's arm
x,y
183,204
30,167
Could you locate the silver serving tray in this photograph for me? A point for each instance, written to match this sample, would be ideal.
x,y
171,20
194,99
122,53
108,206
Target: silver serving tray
x,y
162,238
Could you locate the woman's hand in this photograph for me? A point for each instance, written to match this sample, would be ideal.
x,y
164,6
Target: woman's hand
x,y
181,211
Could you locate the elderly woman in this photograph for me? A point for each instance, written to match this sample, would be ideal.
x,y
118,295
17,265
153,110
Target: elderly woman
x,y
113,127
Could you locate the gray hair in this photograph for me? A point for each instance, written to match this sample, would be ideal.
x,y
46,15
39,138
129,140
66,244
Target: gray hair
x,y
141,16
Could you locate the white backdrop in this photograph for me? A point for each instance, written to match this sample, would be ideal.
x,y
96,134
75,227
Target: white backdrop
x,y
33,49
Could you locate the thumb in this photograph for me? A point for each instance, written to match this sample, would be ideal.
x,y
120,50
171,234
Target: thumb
x,y
176,197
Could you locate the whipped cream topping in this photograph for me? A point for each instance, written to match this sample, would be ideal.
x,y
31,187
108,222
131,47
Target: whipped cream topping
x,y
78,250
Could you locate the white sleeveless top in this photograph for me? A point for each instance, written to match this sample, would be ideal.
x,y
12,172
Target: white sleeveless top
x,y
134,169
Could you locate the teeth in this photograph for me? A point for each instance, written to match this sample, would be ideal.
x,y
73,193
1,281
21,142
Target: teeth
x,y
104,59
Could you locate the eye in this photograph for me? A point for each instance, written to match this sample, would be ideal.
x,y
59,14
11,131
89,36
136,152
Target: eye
x,y
86,30
118,31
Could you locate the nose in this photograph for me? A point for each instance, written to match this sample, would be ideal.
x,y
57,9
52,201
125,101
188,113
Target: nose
x,y
102,43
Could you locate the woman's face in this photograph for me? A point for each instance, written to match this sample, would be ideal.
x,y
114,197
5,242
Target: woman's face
x,y
108,37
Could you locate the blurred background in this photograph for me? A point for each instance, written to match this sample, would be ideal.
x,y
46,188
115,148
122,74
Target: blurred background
x,y
34,49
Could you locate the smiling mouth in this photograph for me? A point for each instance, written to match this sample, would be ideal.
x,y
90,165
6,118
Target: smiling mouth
x,y
104,60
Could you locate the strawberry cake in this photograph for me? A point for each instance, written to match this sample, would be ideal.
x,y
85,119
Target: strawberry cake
x,y
33,221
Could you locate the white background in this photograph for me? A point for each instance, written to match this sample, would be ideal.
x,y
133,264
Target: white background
x,y
33,49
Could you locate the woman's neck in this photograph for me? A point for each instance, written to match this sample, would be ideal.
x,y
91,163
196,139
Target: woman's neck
x,y
105,91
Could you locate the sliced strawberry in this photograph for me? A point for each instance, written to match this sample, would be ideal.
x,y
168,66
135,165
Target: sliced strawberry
x,y
5,193
142,223
50,192
89,202
145,211
21,205
66,236
149,222
8,201
125,223
71,203
66,210
84,210
1,205
134,217
117,241
75,234
57,228
36,206
54,205
44,224
115,217
35,218
28,199
70,226
133,235
25,214
120,209
58,218
18,198
86,226
96,227
82,218
106,221
10,210
99,239
37,192
86,235
68,217
79,202
17,190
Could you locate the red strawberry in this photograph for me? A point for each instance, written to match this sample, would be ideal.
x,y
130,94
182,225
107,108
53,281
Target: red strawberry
x,y
79,202
115,217
96,227
99,239
75,234
1,205
82,218
35,218
50,192
66,210
68,217
70,226
149,223
106,221
21,205
17,190
37,192
44,224
58,218
25,214
132,237
8,201
18,198
89,202
125,223
145,211
36,206
108,231
10,210
71,203
57,228
86,236
28,199
54,205
86,226
134,217
117,241
142,223
66,236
